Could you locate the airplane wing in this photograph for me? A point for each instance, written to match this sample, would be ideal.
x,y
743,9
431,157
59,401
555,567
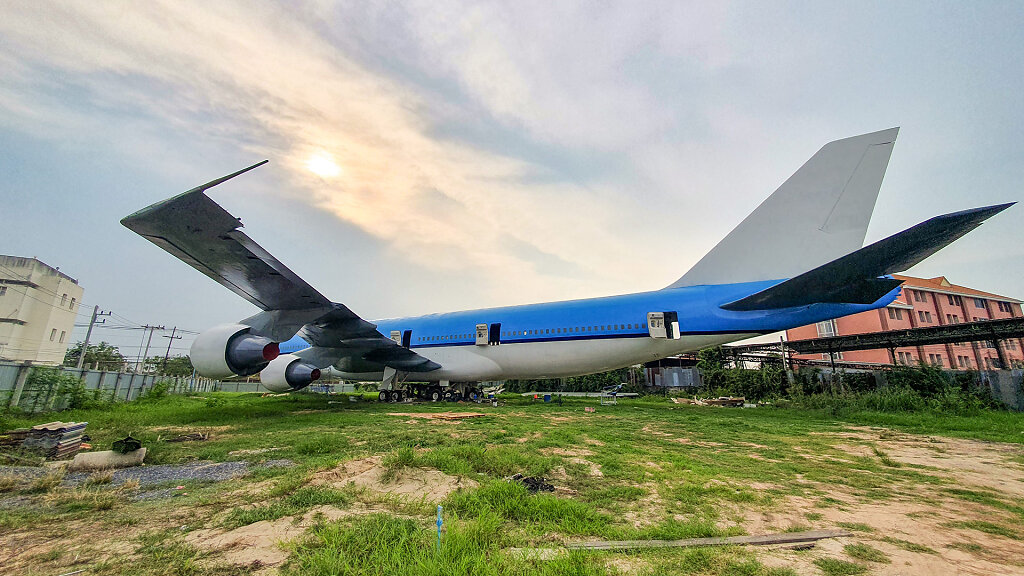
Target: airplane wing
x,y
200,233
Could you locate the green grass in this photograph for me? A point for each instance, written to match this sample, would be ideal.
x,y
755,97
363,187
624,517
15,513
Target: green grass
x,y
856,526
834,567
986,527
666,472
909,546
294,503
866,552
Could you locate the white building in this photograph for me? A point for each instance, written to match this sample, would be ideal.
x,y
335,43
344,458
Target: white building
x,y
38,305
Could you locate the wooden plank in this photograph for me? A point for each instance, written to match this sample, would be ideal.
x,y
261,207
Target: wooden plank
x,y
760,540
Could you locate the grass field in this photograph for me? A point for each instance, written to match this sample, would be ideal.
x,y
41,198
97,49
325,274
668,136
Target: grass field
x,y
922,493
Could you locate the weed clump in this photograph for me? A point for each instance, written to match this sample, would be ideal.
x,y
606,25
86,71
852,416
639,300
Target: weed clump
x,y
866,552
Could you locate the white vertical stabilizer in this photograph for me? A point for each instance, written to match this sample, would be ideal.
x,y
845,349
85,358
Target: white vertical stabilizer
x,y
818,215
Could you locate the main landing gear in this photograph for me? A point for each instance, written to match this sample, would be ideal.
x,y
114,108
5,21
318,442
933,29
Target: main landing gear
x,y
431,392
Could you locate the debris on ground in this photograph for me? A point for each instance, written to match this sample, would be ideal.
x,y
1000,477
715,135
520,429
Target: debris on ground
x,y
53,440
532,483
126,445
728,401
194,437
107,459
439,415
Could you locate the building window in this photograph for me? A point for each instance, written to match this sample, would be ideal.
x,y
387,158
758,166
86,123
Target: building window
x,y
3,290
827,328
72,306
979,303
924,315
62,335
63,299
53,334
918,296
1005,307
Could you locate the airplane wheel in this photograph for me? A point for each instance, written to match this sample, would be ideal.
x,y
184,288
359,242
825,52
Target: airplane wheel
x,y
435,394
399,396
383,396
449,396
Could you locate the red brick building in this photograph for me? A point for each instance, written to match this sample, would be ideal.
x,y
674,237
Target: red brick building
x,y
926,302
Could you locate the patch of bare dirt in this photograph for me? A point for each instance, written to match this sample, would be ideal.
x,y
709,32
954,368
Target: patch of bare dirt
x,y
627,565
410,483
646,510
919,515
988,465
566,452
260,544
908,521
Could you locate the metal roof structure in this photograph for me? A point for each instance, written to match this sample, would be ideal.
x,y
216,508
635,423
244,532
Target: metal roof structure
x,y
982,331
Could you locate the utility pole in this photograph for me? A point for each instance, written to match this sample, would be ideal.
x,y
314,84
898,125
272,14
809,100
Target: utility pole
x,y
142,358
171,340
88,334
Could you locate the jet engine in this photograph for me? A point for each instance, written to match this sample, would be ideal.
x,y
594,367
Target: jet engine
x,y
230,350
288,373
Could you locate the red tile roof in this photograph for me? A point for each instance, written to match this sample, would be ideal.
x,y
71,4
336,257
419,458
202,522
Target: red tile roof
x,y
941,284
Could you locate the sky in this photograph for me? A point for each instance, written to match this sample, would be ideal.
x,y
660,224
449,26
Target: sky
x,y
436,156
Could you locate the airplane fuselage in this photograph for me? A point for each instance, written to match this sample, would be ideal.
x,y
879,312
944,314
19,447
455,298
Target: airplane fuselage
x,y
576,337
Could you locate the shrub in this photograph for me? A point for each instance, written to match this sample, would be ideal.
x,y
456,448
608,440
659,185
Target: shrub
x,y
157,391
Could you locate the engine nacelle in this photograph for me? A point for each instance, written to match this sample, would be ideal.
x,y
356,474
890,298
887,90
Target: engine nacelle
x,y
230,350
288,373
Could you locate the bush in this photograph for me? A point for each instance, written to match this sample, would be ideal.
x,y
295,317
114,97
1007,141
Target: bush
x,y
49,388
157,391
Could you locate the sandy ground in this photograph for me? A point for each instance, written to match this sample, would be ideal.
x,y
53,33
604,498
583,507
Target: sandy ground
x,y
412,483
921,517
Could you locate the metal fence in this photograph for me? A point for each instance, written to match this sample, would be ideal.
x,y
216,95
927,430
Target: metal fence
x,y
16,389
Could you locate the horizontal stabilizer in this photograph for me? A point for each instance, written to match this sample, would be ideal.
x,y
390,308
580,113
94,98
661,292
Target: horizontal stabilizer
x,y
854,278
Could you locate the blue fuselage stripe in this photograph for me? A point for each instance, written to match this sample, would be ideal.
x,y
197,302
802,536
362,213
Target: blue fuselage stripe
x,y
697,307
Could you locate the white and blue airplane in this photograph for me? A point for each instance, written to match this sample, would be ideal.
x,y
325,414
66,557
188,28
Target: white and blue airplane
x,y
797,259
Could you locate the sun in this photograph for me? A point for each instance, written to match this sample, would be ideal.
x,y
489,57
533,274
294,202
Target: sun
x,y
323,165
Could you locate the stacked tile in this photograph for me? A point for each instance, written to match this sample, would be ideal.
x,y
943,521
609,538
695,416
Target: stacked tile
x,y
56,440
14,438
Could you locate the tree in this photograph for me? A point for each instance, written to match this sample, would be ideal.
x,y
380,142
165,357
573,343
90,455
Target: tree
x,y
176,366
107,356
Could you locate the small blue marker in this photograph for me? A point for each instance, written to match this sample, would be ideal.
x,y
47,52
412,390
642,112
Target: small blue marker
x,y
439,523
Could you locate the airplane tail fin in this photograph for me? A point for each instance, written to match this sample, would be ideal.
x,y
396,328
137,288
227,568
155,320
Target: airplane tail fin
x,y
855,278
818,215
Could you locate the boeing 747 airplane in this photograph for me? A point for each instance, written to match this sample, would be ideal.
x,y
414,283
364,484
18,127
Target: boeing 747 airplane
x,y
797,259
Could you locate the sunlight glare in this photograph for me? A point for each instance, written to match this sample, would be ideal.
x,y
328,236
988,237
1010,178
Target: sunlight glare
x,y
323,165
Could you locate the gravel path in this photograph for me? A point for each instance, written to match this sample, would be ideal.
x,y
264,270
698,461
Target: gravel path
x,y
154,474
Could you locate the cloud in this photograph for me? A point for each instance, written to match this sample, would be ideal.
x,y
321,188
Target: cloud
x,y
555,150
264,78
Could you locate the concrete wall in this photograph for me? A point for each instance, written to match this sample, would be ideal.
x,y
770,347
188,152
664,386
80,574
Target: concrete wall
x,y
14,390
